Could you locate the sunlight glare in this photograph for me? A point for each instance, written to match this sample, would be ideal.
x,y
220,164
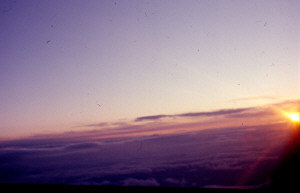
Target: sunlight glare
x,y
294,117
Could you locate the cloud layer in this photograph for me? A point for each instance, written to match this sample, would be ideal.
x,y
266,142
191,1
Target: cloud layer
x,y
195,153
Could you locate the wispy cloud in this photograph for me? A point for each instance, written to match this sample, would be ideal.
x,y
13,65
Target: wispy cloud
x,y
103,124
214,113
194,114
139,182
152,117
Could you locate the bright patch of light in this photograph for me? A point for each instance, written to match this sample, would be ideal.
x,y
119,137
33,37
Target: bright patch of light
x,y
294,117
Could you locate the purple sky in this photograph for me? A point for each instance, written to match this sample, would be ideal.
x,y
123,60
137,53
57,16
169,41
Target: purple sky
x,y
64,64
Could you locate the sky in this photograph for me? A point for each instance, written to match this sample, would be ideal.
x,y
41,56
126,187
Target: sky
x,y
67,65
148,93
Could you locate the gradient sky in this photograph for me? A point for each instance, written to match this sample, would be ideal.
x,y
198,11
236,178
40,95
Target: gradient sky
x,y
64,64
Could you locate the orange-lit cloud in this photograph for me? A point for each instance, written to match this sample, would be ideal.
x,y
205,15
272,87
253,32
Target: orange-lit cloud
x,y
181,123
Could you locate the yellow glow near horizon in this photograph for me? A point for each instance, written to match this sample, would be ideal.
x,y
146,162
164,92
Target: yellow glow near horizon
x,y
294,117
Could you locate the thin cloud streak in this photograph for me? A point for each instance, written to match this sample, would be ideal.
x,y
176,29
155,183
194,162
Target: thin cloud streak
x,y
214,113
97,125
153,117
194,114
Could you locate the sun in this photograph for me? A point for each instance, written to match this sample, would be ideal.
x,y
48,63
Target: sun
x,y
294,117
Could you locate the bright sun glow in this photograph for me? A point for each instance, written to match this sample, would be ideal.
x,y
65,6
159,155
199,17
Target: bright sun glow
x,y
294,117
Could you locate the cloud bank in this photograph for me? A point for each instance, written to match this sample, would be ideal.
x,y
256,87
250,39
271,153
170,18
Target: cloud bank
x,y
201,153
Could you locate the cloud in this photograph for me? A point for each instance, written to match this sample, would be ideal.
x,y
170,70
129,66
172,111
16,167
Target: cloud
x,y
103,124
150,154
153,117
139,182
172,160
81,146
194,114
252,113
263,185
214,113
177,182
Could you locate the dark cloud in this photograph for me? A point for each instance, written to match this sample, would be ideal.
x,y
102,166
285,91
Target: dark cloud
x,y
177,182
262,186
214,113
140,182
34,143
153,117
81,146
103,124
194,114
191,159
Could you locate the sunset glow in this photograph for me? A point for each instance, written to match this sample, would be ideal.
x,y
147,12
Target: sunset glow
x,y
291,115
147,93
294,117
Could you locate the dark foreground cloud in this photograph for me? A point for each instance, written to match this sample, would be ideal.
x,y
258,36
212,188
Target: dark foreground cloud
x,y
139,182
195,114
199,158
153,117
